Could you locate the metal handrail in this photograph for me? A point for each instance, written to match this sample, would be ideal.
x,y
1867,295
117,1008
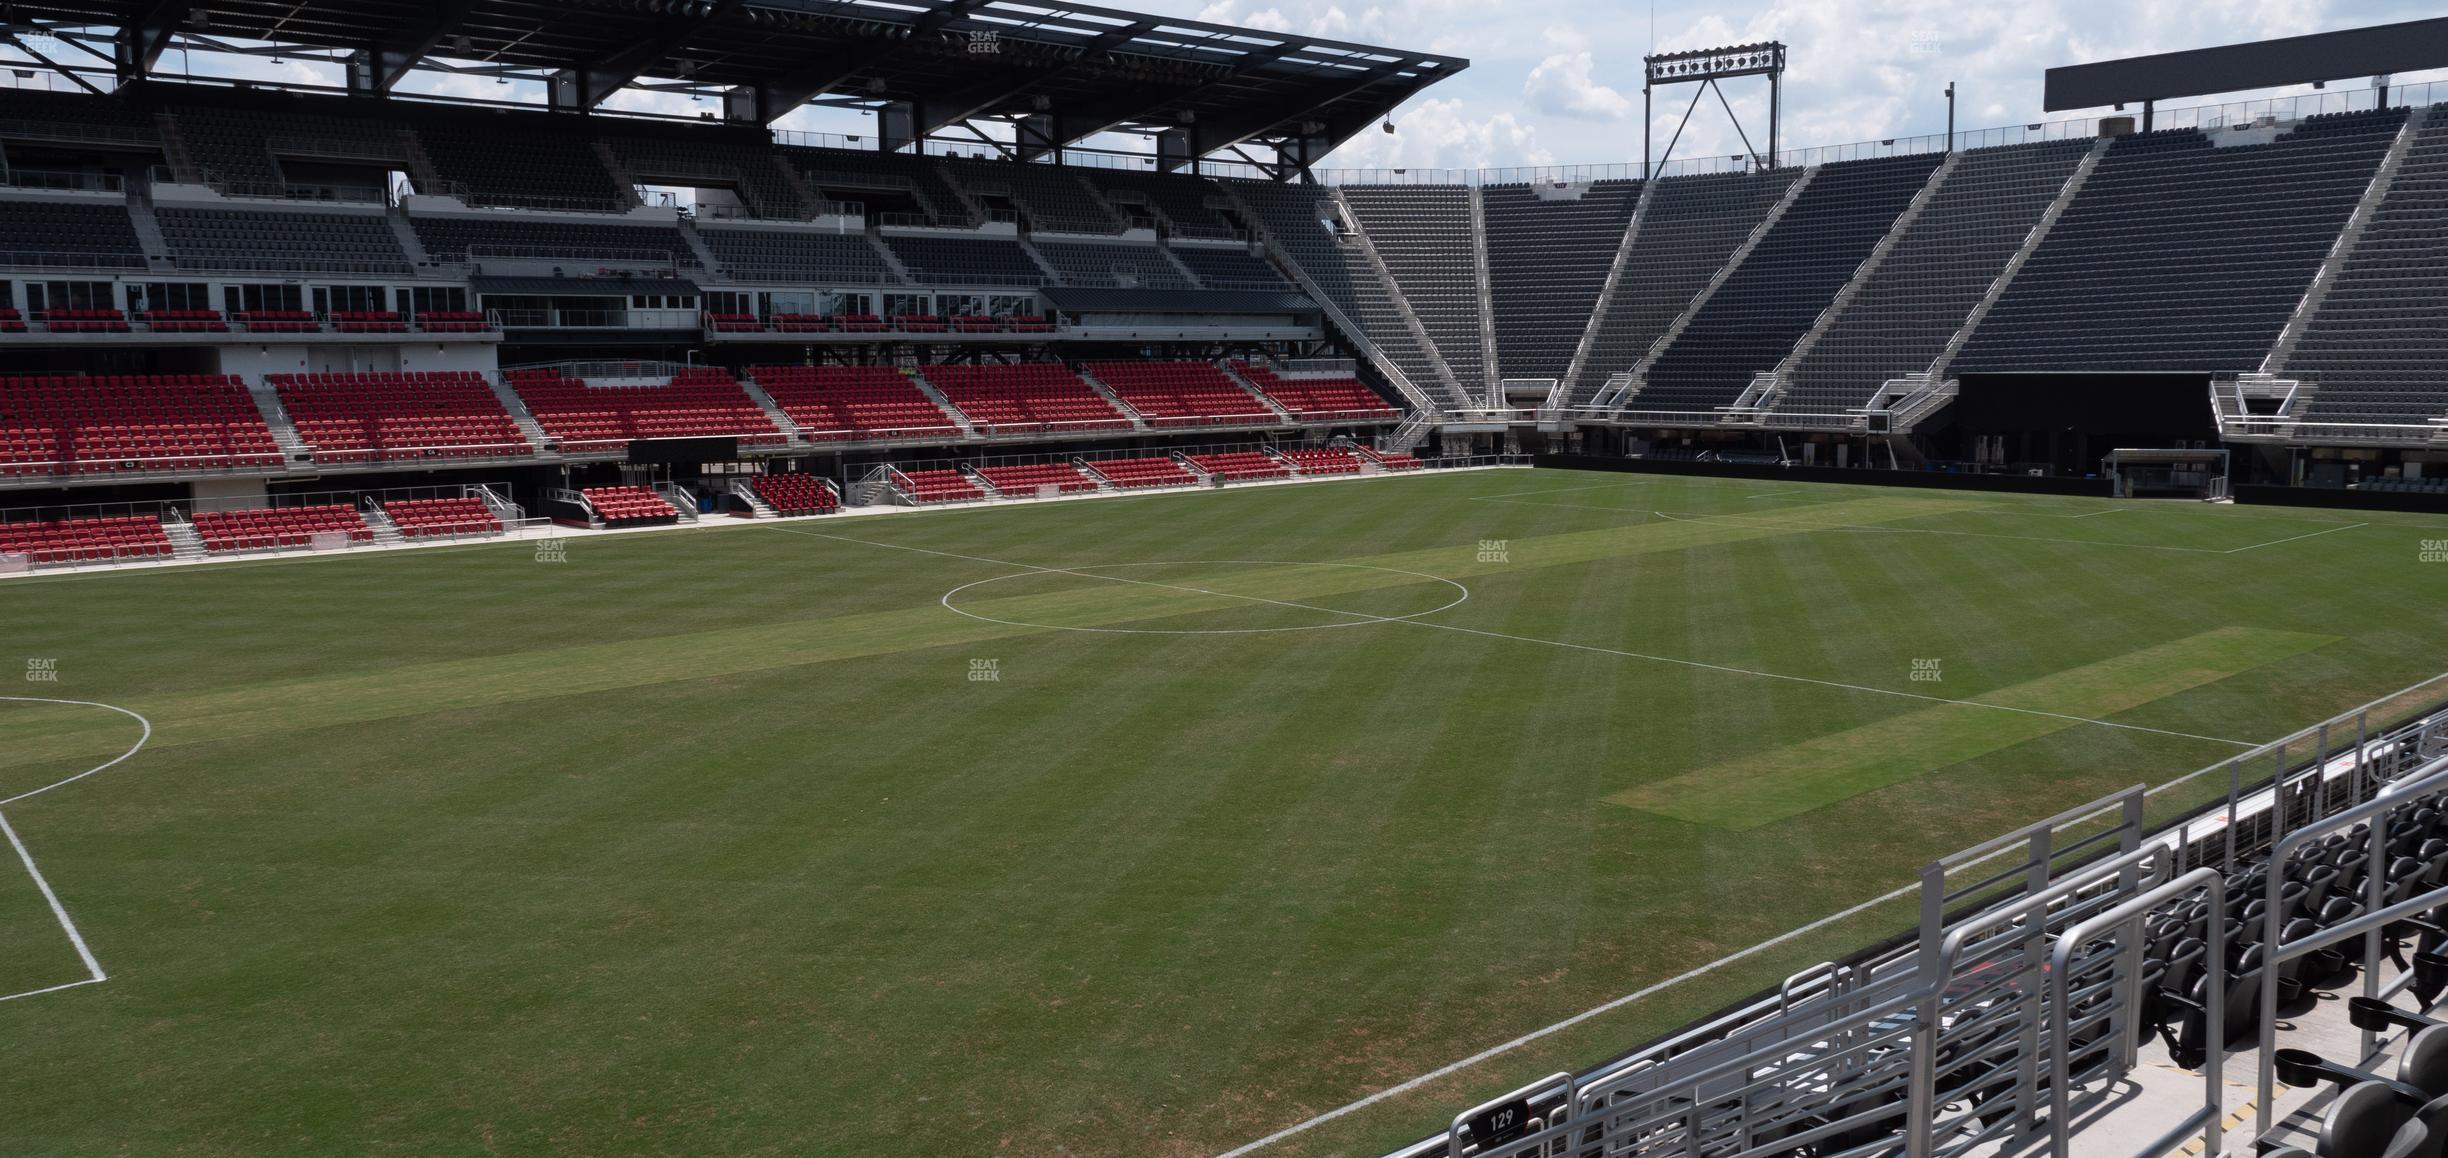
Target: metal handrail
x,y
2209,1118
2413,790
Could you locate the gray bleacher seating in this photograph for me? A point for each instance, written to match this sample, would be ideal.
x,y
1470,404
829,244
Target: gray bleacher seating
x,y
1910,307
239,149
1692,225
1051,198
75,233
1547,257
884,182
941,260
704,158
230,239
552,166
1090,263
450,238
1294,217
110,117
813,256
1423,234
2180,255
1180,201
1230,269
1785,282
2378,347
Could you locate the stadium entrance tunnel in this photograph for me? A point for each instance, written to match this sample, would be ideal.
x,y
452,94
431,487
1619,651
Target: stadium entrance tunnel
x,y
1215,597
2069,422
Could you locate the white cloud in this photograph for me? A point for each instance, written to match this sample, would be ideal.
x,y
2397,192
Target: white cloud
x,y
1445,134
1561,85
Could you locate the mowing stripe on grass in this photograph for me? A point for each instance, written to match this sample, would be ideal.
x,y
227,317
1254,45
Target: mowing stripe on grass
x,y
1786,782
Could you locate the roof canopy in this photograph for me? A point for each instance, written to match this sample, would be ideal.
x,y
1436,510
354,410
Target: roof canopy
x,y
1058,73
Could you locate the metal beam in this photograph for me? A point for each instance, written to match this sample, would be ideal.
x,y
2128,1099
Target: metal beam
x,y
54,65
141,43
397,54
598,80
1310,103
1076,124
827,70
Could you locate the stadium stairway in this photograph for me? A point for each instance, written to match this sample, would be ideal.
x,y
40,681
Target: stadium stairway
x,y
1388,293
1138,421
2342,251
1225,366
1608,286
386,532
185,543
1903,224
773,410
284,432
529,428
1621,391
944,404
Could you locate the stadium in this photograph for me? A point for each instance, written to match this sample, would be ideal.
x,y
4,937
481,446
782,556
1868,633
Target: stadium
x,y
559,613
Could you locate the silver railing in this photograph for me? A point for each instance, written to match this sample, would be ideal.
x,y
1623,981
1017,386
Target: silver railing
x,y
2022,990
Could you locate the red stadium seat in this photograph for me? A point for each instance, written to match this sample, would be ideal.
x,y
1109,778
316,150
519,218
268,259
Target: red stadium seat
x,y
853,403
1027,398
1182,394
359,418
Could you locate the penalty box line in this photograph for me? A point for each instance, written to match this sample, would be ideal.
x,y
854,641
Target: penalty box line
x,y
1582,647
93,968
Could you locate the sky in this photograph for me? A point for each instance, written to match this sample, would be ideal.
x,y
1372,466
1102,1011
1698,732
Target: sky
x,y
1552,82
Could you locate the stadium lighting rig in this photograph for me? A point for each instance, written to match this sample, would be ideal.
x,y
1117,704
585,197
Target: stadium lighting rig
x,y
1706,67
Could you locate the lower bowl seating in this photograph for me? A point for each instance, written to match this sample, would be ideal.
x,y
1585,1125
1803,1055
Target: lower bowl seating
x,y
630,506
795,494
279,528
442,518
71,541
1241,465
1320,462
1141,473
938,486
1031,480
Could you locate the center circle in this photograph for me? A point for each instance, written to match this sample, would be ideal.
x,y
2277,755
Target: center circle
x,y
1147,576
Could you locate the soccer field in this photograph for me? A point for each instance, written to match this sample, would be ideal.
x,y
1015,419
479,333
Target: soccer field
x,y
1136,826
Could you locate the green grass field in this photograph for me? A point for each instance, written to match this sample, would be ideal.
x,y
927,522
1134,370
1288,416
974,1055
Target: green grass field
x,y
1123,827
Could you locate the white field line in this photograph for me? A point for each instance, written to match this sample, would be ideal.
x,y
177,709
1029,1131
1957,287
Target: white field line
x,y
93,968
1872,528
1620,1002
1627,999
1584,647
2298,538
1770,495
1563,490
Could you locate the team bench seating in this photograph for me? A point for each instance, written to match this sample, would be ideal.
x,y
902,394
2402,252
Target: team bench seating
x,y
630,506
795,494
